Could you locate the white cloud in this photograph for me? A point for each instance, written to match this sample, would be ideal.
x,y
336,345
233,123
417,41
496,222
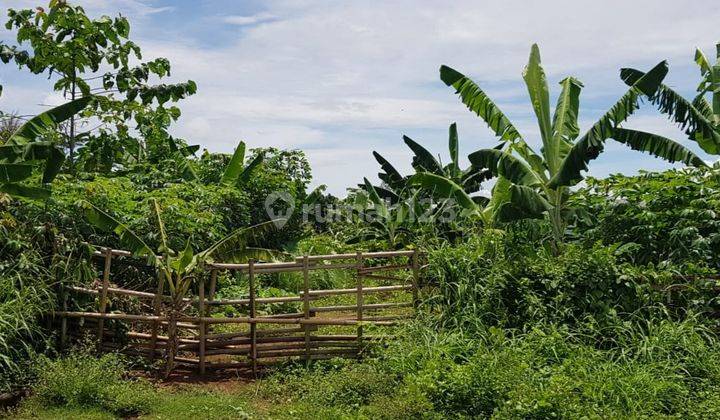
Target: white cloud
x,y
248,20
343,78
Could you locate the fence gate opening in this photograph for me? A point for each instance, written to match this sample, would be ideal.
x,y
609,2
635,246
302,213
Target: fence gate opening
x,y
258,326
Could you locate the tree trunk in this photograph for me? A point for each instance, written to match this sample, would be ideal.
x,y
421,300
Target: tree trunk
x,y
172,343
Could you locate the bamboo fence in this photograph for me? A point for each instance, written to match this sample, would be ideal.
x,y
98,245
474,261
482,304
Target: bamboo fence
x,y
251,342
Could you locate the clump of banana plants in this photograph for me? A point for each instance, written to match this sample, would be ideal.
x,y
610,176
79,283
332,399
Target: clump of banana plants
x,y
531,184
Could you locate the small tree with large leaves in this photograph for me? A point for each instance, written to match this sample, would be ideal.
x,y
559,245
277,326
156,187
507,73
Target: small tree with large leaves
x,y
180,270
85,56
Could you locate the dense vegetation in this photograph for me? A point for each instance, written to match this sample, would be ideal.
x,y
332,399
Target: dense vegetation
x,y
545,300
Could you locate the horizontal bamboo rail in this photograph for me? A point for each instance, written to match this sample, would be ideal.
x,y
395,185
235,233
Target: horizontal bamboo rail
x,y
291,335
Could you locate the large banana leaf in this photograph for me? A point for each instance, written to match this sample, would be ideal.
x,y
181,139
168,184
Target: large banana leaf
x,y
445,188
236,246
19,190
524,203
537,86
235,166
504,164
657,146
565,121
390,175
128,238
423,159
682,112
454,147
478,102
592,143
244,176
48,120
51,154
14,172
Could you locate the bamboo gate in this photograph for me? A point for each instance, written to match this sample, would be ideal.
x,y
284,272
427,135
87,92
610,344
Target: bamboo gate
x,y
257,340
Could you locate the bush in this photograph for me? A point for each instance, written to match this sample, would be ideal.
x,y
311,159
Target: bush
x,y
83,380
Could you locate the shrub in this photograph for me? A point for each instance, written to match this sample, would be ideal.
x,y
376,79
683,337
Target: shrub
x,y
83,380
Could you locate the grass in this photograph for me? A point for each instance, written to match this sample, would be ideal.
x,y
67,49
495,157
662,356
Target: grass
x,y
180,402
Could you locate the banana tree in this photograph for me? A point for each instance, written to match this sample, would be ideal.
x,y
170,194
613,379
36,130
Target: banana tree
x,y
236,172
424,161
535,185
699,118
180,270
22,152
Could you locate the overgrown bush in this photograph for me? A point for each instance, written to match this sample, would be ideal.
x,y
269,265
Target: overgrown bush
x,y
669,217
84,380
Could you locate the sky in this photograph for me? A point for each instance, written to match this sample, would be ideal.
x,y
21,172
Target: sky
x,y
339,79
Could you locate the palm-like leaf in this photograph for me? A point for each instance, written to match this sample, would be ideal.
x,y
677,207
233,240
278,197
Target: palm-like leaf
x,y
235,246
657,146
107,223
445,188
478,102
682,112
48,120
592,143
247,172
235,166
537,86
390,175
501,163
423,159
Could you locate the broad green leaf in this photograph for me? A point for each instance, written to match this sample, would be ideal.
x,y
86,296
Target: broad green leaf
x,y
524,203
506,165
500,196
592,143
454,148
19,190
423,160
247,172
445,188
48,120
51,154
537,87
658,146
565,121
390,175
702,62
107,223
235,166
682,112
235,247
478,102
14,172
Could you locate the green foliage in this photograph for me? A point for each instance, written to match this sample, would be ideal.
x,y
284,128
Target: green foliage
x,y
83,380
75,50
660,218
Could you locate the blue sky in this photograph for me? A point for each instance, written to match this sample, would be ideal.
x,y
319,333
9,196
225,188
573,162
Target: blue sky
x,y
339,79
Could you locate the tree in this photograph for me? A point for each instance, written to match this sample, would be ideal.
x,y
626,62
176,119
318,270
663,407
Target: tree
x,y
179,270
423,161
86,57
532,185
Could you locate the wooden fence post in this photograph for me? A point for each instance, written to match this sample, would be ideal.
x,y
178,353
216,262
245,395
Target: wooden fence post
x,y
63,321
253,313
213,284
201,326
306,305
416,278
360,298
103,294
157,310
